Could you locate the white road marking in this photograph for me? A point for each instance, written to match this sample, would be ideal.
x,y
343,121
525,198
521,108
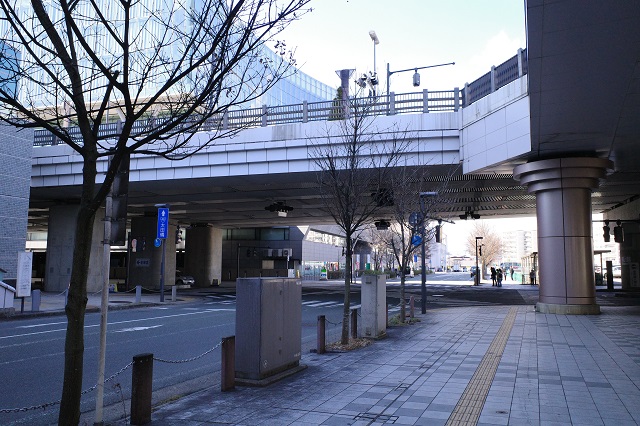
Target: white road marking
x,y
125,330
117,322
317,305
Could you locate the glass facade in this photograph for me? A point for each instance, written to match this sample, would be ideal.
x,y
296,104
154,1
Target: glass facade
x,y
147,27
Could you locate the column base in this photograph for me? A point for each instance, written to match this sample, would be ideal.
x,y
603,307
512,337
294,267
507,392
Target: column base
x,y
554,308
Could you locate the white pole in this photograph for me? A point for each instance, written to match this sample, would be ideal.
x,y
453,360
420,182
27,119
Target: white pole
x,y
104,305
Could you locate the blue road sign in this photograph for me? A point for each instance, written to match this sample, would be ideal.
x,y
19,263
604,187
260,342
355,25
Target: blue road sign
x,y
416,240
157,242
163,223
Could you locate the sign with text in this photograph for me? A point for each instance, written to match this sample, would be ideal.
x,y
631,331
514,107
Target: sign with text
x,y
23,282
143,263
163,223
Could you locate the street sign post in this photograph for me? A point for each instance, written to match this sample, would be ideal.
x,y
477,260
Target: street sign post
x,y
161,234
163,223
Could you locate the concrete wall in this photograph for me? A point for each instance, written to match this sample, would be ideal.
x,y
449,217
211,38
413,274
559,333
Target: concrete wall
x,y
15,176
496,128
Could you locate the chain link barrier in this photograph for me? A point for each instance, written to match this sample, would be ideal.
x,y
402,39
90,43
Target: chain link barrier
x,y
188,359
94,387
52,404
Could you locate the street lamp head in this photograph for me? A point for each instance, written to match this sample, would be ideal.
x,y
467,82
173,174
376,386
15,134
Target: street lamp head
x,y
479,238
374,37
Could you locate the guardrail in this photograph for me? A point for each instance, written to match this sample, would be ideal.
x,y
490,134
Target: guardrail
x,y
389,104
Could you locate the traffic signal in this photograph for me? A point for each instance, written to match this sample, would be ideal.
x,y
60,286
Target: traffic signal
x,y
437,233
618,232
606,229
480,250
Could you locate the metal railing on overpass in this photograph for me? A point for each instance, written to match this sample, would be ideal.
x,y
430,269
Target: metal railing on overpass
x,y
388,104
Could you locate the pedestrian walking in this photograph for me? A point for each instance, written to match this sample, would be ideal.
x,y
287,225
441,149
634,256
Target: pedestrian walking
x,y
511,273
532,277
499,277
493,276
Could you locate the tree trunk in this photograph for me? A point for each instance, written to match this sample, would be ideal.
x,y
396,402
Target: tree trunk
x,y
77,304
344,338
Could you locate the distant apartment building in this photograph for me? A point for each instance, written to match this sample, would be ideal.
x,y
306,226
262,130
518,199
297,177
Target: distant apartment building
x,y
518,244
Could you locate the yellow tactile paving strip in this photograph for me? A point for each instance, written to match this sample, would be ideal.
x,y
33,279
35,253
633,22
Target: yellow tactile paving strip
x,y
469,407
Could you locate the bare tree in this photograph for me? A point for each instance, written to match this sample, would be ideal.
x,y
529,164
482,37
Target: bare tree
x,y
354,169
491,243
410,212
162,70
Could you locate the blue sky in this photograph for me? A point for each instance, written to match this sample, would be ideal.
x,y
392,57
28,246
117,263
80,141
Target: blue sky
x,y
475,34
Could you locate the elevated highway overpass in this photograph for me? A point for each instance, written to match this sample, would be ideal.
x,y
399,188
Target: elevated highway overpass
x,y
566,128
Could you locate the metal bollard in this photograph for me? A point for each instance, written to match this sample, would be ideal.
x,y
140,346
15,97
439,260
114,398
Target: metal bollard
x,y
228,364
35,300
354,323
387,323
141,389
174,293
322,347
138,293
412,304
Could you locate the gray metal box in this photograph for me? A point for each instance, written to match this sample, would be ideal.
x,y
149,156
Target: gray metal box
x,y
268,326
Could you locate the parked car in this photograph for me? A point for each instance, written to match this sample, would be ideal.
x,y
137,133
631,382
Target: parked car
x,y
473,271
184,279
408,272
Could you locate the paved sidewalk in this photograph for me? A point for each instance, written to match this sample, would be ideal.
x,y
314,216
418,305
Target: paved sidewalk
x,y
489,365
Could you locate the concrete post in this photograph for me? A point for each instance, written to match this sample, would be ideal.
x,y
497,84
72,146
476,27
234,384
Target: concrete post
x,y
609,275
141,389
374,310
228,364
35,300
412,307
174,293
138,294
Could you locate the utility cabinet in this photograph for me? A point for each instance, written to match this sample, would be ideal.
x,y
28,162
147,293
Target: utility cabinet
x,y
268,326
373,300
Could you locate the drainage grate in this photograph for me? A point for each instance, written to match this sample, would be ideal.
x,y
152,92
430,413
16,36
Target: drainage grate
x,y
384,418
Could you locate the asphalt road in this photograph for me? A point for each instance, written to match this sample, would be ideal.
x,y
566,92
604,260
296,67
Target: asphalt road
x,y
32,351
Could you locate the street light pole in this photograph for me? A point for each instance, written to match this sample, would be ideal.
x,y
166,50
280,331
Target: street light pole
x,y
477,277
390,73
376,41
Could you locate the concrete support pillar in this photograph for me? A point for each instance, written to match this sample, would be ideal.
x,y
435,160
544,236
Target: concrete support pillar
x,y
203,254
146,260
565,245
60,241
